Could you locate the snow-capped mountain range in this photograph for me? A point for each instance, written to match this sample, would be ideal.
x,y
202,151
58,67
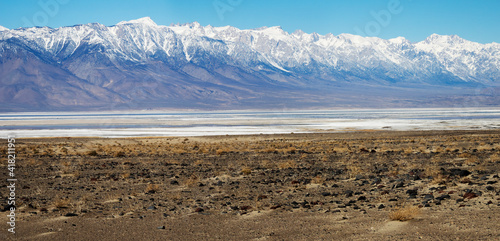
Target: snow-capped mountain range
x,y
189,65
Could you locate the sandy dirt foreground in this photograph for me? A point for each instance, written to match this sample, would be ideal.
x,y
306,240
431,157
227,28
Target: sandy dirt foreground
x,y
344,186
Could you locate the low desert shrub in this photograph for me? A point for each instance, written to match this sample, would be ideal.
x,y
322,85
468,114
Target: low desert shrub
x,y
246,171
62,203
152,188
405,214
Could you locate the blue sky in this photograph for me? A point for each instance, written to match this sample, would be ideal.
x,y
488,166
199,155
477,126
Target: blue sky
x,y
414,19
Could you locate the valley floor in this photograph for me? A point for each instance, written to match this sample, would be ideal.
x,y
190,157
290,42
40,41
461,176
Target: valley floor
x,y
363,185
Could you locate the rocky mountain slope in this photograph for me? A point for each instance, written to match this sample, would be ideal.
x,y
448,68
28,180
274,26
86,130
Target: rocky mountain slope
x,y
138,64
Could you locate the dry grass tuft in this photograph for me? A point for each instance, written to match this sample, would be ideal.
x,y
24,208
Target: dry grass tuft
x,y
439,179
318,180
152,188
405,214
287,164
221,151
62,203
246,171
119,154
471,161
125,175
354,170
192,181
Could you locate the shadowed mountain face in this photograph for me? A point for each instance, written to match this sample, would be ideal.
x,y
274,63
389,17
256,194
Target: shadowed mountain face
x,y
138,64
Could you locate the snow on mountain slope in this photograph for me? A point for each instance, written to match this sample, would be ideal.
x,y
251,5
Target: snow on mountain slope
x,y
227,62
142,39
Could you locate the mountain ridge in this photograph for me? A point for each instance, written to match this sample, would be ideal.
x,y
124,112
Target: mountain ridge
x,y
194,66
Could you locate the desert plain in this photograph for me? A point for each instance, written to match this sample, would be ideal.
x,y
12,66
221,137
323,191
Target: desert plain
x,y
360,185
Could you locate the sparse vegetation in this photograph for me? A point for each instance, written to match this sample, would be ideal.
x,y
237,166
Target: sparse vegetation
x,y
152,188
287,164
405,214
350,173
62,203
246,171
191,181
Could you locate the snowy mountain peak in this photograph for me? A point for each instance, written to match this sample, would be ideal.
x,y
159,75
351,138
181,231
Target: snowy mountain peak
x,y
276,29
2,28
356,39
193,25
399,40
275,32
444,39
145,21
298,32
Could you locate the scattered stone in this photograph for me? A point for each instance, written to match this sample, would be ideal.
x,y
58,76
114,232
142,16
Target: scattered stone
x,y
160,227
71,215
260,197
458,172
428,196
359,177
443,197
276,206
470,195
412,192
244,208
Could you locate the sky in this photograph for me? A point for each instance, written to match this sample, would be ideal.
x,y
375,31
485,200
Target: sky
x,y
415,20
